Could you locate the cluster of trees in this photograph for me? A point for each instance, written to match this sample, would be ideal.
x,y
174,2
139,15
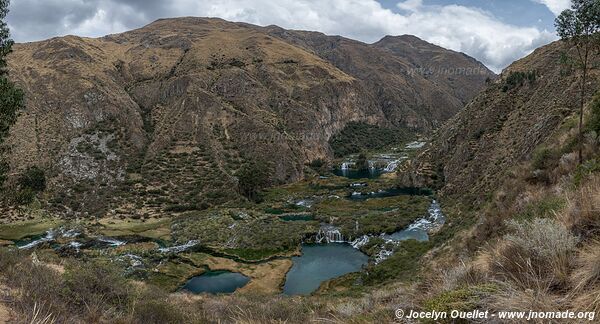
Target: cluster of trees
x,y
252,178
579,26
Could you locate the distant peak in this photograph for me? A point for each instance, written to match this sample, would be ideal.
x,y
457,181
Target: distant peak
x,y
402,38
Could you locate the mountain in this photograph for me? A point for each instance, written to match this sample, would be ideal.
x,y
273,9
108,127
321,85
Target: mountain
x,y
162,118
502,126
416,84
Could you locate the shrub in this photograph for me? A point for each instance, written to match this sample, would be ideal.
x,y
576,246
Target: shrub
x,y
593,123
157,312
253,177
517,79
96,285
317,164
544,159
8,259
38,288
33,179
536,254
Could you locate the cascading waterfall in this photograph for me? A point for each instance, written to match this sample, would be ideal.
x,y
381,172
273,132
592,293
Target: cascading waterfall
x,y
371,165
434,219
111,241
329,234
346,165
360,242
179,248
391,167
50,236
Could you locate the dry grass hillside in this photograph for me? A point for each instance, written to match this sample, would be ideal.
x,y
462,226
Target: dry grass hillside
x,y
502,126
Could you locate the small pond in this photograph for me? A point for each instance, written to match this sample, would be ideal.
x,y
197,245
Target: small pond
x,y
319,263
215,282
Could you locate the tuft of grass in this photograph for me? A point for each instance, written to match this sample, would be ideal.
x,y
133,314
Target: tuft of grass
x,y
536,254
582,213
586,273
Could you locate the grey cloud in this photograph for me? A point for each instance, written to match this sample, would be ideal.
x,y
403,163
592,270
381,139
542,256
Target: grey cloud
x,y
465,29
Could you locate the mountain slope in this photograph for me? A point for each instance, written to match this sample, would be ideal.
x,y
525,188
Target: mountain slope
x,y
163,117
417,85
502,126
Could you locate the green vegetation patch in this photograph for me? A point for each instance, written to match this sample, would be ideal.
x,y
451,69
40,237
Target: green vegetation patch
x,y
461,299
544,208
20,230
374,216
250,235
158,228
403,265
359,136
518,78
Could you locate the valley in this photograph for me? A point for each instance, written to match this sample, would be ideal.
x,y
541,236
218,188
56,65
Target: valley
x,y
339,224
198,170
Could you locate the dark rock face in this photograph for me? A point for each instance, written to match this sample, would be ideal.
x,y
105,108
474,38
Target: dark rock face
x,y
160,119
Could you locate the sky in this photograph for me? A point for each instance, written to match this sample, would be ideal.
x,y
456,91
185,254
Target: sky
x,y
496,32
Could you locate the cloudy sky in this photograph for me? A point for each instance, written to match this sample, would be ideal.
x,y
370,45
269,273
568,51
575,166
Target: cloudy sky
x,y
496,32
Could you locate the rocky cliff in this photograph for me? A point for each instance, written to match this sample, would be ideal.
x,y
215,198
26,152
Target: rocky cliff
x,y
161,118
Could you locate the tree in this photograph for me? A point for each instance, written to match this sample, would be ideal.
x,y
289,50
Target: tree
x,y
578,26
11,98
252,178
362,163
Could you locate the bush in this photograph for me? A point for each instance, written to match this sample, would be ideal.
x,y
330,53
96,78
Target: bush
x,y
544,158
536,254
517,79
157,312
33,179
593,124
96,285
317,164
253,177
8,259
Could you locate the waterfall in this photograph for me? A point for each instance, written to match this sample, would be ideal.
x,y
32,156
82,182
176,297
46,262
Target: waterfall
x,y
111,241
415,145
329,234
360,242
50,235
391,167
179,248
371,165
346,165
